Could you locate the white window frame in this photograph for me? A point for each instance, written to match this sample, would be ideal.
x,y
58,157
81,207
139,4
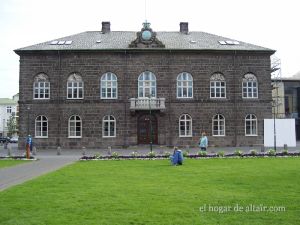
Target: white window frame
x,y
252,120
186,119
8,109
220,120
107,120
109,81
249,81
217,82
183,85
147,81
41,87
75,85
39,123
77,119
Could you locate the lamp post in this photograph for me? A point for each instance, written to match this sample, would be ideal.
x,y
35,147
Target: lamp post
x,y
275,108
274,131
28,108
150,121
3,123
28,138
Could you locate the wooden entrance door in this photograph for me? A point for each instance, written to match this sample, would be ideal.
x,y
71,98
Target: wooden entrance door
x,y
144,129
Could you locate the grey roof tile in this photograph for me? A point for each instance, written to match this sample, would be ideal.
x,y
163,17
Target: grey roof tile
x,y
119,40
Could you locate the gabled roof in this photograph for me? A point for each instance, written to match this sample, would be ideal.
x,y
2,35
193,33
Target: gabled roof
x,y
7,101
120,40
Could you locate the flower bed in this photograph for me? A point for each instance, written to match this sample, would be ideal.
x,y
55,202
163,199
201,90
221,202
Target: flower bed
x,y
16,157
152,156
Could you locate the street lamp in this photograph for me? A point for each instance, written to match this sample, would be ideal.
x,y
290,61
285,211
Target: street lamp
x,y
150,121
3,124
28,108
275,108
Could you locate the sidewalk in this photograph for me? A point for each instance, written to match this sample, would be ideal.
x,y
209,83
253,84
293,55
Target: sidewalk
x,y
11,176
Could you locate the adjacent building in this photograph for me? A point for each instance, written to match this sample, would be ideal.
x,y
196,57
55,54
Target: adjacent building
x,y
120,88
8,112
286,99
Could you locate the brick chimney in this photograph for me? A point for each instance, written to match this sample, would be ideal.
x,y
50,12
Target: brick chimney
x,y
105,27
184,27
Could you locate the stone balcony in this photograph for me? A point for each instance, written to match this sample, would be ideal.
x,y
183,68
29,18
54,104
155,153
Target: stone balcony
x,y
147,104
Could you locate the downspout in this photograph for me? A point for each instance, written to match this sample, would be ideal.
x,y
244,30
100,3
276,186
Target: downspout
x,y
234,99
169,110
58,139
125,138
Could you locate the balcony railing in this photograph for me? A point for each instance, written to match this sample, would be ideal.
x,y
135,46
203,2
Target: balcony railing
x,y
147,104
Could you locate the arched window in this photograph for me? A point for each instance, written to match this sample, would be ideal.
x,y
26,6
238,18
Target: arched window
x,y
75,87
109,126
217,86
41,127
75,127
218,125
250,125
185,126
147,85
109,86
184,85
41,87
250,89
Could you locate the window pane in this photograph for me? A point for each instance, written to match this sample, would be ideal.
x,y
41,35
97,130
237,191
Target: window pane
x,y
190,92
112,128
114,94
69,93
103,93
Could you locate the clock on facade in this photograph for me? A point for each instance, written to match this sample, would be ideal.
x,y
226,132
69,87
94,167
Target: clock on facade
x,y
146,35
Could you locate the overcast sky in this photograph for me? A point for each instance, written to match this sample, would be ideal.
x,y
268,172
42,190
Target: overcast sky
x,y
272,24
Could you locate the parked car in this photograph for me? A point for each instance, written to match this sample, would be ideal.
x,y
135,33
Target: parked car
x,y
14,140
4,139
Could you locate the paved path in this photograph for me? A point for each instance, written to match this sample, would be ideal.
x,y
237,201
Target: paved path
x,y
14,175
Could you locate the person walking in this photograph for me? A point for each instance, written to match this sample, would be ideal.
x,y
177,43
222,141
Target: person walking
x,y
203,142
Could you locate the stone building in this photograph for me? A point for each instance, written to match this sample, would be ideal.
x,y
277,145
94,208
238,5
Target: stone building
x,y
120,88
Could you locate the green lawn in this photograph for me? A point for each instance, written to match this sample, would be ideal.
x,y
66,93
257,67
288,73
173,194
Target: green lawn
x,y
153,192
7,163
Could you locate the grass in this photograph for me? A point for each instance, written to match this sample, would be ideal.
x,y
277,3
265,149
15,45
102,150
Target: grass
x,y
153,192
8,163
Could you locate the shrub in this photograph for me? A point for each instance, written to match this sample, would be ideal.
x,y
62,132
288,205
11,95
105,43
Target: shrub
x,y
115,155
221,153
238,152
97,155
167,154
134,154
253,152
202,153
185,153
271,152
285,152
151,154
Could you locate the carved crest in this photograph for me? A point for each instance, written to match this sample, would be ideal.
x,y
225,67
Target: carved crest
x,y
41,78
146,38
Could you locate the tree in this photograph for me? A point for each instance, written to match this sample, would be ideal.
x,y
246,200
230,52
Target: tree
x,y
11,126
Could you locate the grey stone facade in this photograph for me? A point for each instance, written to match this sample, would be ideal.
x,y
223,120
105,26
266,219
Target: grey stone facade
x,y
127,65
